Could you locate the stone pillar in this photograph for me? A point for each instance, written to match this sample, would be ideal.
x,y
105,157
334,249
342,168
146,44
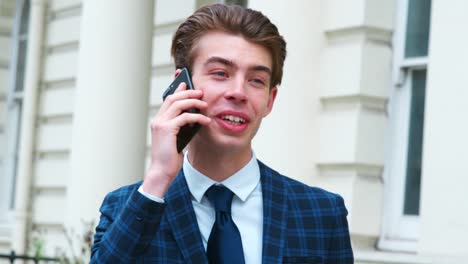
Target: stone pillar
x,y
332,101
354,79
111,103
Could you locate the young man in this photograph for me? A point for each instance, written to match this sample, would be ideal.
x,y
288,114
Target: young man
x,y
217,203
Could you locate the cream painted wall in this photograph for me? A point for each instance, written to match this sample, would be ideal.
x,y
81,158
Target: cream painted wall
x,y
444,206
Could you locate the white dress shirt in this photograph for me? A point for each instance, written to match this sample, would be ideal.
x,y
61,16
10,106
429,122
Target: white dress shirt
x,y
246,209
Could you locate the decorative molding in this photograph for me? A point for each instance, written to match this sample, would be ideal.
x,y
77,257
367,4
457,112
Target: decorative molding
x,y
50,226
51,189
383,257
364,169
63,48
6,225
4,64
6,26
162,69
52,154
153,109
58,84
5,33
55,119
5,234
370,34
374,103
166,28
7,8
65,12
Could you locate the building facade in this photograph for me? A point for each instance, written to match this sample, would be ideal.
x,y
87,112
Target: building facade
x,y
371,107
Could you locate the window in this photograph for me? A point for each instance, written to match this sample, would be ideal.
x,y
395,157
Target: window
x,y
14,105
406,114
236,2
229,2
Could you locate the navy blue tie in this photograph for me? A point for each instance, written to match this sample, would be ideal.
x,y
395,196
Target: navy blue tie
x,y
224,244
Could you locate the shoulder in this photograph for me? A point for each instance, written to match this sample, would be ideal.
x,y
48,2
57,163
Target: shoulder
x,y
300,190
303,196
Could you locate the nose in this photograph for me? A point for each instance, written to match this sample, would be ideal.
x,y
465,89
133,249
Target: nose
x,y
236,91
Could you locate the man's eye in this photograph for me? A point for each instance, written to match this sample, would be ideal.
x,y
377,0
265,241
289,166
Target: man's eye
x,y
258,82
220,74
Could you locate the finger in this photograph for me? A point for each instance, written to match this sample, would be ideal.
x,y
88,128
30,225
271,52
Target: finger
x,y
181,95
183,105
191,118
164,119
182,86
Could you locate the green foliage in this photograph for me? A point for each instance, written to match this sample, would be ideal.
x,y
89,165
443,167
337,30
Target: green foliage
x,y
38,243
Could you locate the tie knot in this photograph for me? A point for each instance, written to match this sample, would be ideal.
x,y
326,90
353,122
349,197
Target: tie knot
x,y
220,197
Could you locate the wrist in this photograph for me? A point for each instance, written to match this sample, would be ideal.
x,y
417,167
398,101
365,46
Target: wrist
x,y
151,197
156,184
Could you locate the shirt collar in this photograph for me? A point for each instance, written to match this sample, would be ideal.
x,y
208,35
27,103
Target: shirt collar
x,y
242,183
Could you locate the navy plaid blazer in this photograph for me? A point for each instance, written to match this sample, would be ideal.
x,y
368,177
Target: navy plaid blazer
x,y
301,224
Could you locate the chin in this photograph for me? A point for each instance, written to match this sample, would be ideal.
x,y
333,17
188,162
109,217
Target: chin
x,y
223,142
232,145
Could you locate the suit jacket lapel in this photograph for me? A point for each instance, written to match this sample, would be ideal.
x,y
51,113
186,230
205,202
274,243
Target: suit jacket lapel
x,y
181,217
275,209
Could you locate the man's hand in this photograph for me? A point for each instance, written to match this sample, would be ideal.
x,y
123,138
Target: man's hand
x,y
165,160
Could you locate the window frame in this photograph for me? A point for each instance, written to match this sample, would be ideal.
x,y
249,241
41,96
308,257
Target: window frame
x,y
399,232
14,102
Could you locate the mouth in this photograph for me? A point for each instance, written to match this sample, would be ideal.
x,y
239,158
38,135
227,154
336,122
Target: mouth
x,y
234,120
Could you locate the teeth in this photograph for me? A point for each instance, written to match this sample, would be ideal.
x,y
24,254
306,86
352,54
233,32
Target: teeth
x,y
233,118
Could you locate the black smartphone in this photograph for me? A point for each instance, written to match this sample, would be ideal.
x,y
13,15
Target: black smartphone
x,y
186,132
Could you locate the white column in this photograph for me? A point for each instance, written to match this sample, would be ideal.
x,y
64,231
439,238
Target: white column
x,y
28,118
111,102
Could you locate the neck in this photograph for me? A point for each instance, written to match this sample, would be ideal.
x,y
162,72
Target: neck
x,y
218,165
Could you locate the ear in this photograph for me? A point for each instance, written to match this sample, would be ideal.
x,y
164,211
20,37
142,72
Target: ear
x,y
177,72
271,100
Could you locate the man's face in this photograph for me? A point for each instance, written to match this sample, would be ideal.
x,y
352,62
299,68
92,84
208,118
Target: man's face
x,y
235,78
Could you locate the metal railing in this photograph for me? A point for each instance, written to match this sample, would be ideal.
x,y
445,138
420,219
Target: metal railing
x,y
13,257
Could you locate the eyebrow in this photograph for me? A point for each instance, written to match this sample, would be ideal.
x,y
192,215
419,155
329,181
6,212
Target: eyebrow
x,y
231,64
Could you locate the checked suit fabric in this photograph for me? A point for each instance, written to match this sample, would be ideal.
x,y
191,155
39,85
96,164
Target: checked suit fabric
x,y
301,224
